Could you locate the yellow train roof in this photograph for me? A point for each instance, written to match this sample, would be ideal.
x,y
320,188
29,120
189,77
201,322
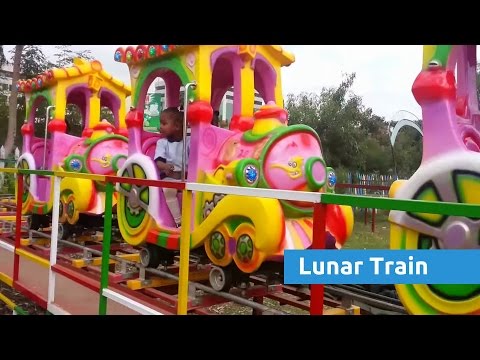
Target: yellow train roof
x,y
80,67
140,53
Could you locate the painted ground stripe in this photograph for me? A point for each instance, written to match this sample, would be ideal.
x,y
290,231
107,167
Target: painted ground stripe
x,y
7,246
131,304
33,257
57,310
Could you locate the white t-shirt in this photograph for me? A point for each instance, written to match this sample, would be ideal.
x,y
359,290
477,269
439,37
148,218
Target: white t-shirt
x,y
172,152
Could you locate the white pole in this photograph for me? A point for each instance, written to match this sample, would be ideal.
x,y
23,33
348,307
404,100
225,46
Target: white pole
x,y
2,164
224,110
54,239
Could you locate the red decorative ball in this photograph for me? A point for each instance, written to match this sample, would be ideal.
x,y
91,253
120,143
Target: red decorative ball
x,y
87,132
134,118
241,123
434,84
27,129
57,125
270,111
122,132
104,125
200,112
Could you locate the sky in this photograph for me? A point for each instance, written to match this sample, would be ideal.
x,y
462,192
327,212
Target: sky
x,y
384,73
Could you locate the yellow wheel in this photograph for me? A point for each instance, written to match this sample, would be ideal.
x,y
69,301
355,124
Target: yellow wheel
x,y
450,179
62,209
27,198
216,246
247,258
71,212
428,299
132,207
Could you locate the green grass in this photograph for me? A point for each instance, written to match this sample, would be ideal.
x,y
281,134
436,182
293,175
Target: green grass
x,y
362,235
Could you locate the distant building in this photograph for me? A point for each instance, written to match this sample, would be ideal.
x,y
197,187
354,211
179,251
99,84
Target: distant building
x,y
6,74
156,99
153,107
226,106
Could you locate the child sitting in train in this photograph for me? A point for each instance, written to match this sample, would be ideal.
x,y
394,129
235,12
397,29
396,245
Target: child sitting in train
x,y
216,118
168,156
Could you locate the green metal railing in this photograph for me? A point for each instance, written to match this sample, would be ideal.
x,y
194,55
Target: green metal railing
x,y
417,206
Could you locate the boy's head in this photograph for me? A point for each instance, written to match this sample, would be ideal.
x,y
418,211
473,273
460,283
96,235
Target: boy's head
x,y
171,122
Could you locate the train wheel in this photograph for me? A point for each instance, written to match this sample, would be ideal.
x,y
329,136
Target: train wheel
x,y
72,213
133,218
221,279
62,207
34,222
246,257
216,246
412,231
428,299
26,179
149,256
64,231
153,256
61,211
28,182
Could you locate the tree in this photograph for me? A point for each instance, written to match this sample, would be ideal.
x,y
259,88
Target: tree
x,y
3,105
107,114
64,58
12,108
3,121
66,55
33,62
353,137
3,59
408,151
342,122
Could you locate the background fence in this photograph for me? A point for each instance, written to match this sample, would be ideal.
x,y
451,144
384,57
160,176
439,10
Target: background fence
x,y
7,181
376,184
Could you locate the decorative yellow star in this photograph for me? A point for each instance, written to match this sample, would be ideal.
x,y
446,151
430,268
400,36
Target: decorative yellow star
x,y
247,51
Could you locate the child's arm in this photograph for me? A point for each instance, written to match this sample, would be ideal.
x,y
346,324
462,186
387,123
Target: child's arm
x,y
160,155
163,166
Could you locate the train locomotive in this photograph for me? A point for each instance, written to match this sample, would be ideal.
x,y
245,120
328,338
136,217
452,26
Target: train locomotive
x,y
100,149
446,89
240,235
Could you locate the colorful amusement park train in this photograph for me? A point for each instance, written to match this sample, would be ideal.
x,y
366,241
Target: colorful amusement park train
x,y
100,149
242,235
446,89
258,150
239,235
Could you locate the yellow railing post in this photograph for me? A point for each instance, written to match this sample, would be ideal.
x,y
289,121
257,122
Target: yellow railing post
x,y
184,252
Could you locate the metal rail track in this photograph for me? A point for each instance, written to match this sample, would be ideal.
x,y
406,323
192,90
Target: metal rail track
x,y
370,302
346,295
